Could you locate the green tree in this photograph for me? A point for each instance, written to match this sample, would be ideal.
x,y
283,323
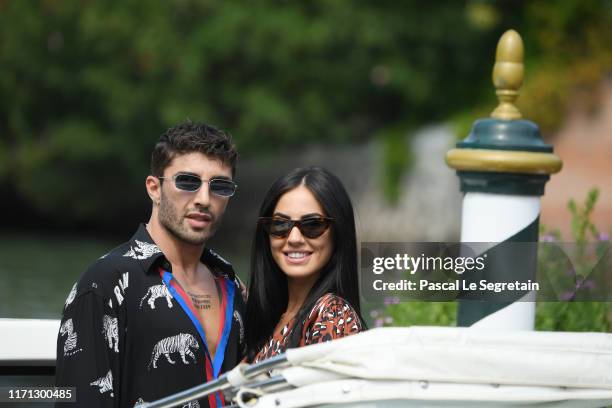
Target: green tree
x,y
86,87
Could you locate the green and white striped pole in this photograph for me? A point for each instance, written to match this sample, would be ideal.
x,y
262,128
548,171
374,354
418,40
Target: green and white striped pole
x,y
503,166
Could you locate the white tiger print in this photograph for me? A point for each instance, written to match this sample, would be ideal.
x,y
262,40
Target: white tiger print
x,y
238,318
70,346
104,383
110,331
181,343
154,292
71,295
142,250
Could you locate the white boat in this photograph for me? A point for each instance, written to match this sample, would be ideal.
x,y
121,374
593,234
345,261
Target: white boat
x,y
28,345
387,367
27,356
426,367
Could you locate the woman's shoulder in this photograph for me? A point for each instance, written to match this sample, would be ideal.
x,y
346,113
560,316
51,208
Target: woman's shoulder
x,y
330,301
333,308
331,317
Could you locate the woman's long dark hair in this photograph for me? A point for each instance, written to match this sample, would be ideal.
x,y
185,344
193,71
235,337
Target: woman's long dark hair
x,y
268,292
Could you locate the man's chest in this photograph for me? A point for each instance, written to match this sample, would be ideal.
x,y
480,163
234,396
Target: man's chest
x,y
162,308
207,306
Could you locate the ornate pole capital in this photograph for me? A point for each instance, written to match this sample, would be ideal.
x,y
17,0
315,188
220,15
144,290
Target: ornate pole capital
x,y
505,153
508,74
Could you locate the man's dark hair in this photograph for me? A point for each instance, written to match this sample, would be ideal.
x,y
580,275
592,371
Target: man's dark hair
x,y
191,137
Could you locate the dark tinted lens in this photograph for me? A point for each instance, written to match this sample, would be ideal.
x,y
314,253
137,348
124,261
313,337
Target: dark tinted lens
x,y
313,227
277,227
187,182
222,187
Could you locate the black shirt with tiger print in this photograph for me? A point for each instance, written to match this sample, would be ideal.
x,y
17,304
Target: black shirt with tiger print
x,y
129,336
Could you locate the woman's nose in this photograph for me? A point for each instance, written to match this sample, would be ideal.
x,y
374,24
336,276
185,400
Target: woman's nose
x,y
295,236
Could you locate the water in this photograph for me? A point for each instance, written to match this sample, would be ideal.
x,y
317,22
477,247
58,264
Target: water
x,y
38,271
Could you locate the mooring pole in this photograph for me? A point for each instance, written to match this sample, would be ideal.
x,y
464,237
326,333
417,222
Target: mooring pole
x,y
503,165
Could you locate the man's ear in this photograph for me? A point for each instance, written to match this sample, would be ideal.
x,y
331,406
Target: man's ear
x,y
153,185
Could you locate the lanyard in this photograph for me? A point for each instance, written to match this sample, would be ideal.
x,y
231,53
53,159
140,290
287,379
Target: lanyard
x,y
227,310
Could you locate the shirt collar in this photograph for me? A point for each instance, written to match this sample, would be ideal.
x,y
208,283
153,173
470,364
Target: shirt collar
x,y
144,250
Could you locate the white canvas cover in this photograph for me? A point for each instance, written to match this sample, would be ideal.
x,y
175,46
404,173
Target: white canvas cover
x,y
447,366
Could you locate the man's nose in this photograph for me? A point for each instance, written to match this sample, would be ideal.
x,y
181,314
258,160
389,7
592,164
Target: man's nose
x,y
202,197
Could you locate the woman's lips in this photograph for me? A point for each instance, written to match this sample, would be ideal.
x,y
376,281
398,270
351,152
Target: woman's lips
x,y
297,257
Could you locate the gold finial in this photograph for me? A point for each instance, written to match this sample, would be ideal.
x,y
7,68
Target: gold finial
x,y
508,75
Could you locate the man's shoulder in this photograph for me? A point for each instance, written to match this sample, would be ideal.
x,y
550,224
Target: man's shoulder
x,y
102,274
117,258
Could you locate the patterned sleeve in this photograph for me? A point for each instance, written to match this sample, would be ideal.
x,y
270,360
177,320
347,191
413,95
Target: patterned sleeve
x,y
88,347
331,318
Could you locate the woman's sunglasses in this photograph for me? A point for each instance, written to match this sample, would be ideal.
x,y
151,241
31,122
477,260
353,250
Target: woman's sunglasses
x,y
312,227
192,183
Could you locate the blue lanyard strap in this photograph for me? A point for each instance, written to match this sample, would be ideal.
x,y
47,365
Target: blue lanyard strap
x,y
228,292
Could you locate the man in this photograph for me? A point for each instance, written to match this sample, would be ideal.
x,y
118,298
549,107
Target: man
x,y
160,313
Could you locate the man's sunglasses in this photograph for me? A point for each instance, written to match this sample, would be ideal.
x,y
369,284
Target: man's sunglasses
x,y
311,227
192,183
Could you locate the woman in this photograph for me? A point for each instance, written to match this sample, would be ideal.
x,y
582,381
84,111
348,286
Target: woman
x,y
303,287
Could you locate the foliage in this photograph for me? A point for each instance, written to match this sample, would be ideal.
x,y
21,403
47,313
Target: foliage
x,y
415,314
582,226
86,87
578,315
551,316
397,158
570,53
567,55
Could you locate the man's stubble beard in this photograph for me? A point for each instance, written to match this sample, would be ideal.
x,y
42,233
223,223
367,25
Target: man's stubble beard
x,y
173,222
